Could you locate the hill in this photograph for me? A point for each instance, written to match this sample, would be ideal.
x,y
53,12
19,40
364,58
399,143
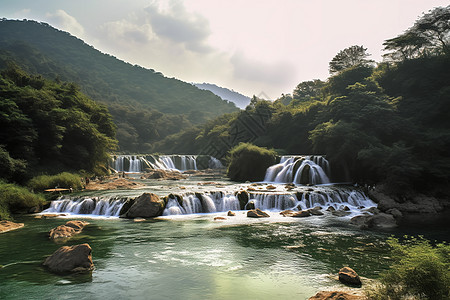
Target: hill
x,y
162,105
238,99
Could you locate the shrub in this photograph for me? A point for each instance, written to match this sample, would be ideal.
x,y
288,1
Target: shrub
x,y
61,180
249,162
15,198
419,271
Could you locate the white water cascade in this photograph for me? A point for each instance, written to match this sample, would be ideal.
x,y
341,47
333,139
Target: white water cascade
x,y
109,207
138,163
201,203
299,170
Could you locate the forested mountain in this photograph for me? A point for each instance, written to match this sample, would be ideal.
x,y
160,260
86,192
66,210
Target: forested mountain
x,y
146,106
238,99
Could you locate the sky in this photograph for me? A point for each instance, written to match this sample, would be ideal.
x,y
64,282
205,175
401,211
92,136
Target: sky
x,y
263,47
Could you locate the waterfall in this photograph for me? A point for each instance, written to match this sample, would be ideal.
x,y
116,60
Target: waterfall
x,y
299,170
214,163
202,203
87,206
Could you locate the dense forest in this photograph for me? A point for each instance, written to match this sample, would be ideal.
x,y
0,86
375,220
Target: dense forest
x,y
146,106
375,123
49,127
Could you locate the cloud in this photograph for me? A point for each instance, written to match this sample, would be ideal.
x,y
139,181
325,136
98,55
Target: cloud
x,y
176,24
128,30
273,73
66,22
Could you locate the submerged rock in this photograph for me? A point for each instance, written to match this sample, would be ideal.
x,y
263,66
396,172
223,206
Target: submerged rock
x,y
147,205
67,230
70,259
287,213
316,211
301,214
380,220
257,213
335,295
231,214
349,276
8,226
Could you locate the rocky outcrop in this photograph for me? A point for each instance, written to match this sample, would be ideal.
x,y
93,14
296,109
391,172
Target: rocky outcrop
x,y
8,226
164,175
349,276
70,259
257,213
243,198
67,230
147,205
335,295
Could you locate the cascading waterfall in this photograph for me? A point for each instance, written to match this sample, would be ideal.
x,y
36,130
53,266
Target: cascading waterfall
x,y
137,163
299,170
201,203
87,206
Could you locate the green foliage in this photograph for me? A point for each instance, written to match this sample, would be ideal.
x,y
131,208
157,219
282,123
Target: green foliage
x,y
306,90
10,168
419,270
249,162
50,125
62,180
348,58
14,198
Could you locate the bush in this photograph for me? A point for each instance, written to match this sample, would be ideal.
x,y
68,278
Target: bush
x,y
61,180
14,198
419,271
249,162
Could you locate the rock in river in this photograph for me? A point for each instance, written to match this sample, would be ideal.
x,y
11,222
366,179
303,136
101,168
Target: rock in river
x,y
257,213
8,226
147,205
349,276
335,295
70,259
67,230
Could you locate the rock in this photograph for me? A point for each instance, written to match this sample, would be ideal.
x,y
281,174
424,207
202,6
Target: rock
x,y
287,213
335,295
380,220
67,230
70,259
165,175
250,205
331,208
301,214
395,213
372,210
219,218
243,198
271,187
139,220
147,205
316,211
349,276
231,214
8,226
340,213
257,213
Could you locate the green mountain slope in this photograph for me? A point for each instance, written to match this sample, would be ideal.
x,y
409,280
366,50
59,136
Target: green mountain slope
x,y
39,48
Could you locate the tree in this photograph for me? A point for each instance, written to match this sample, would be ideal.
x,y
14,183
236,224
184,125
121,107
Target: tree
x,y
349,57
429,36
306,90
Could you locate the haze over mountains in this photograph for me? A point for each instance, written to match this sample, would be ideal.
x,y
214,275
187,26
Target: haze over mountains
x,y
238,99
162,105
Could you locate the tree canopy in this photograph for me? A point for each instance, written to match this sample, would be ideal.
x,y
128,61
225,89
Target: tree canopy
x,y
350,57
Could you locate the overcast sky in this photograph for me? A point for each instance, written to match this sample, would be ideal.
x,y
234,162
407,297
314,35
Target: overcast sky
x,y
250,46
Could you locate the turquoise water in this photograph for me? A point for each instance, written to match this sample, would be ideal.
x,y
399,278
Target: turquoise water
x,y
191,258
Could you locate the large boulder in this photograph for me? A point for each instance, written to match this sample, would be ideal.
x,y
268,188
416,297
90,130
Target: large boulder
x,y
301,214
147,205
243,198
335,295
257,213
70,259
349,276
